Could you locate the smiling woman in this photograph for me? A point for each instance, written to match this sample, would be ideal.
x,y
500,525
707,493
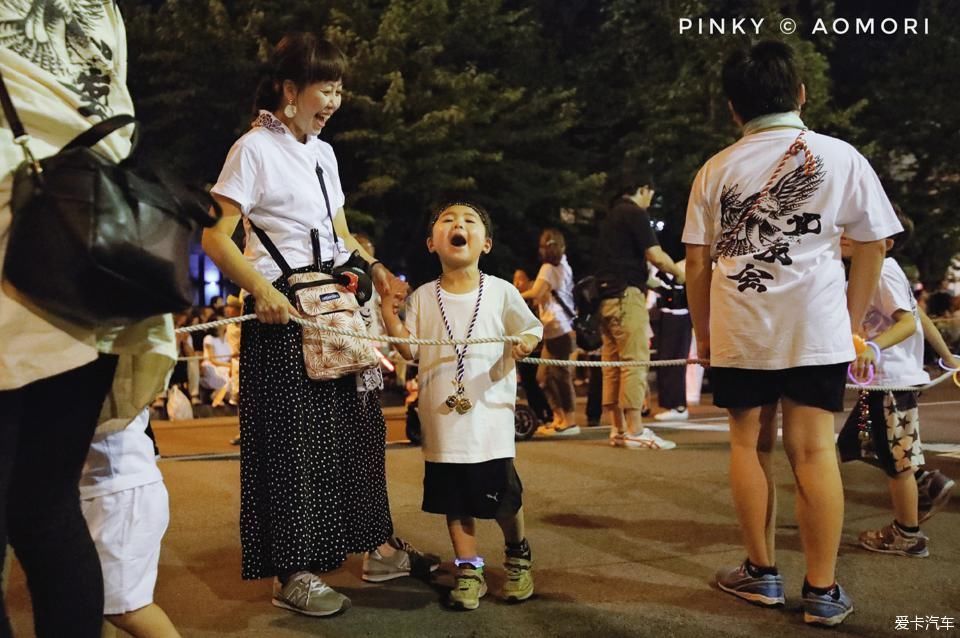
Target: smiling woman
x,y
313,485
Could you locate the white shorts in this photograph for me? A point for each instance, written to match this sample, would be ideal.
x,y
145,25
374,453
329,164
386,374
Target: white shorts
x,y
127,528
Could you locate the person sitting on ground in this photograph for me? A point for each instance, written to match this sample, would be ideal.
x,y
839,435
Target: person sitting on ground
x,y
215,370
468,435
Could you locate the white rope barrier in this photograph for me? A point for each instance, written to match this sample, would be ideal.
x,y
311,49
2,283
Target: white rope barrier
x,y
528,360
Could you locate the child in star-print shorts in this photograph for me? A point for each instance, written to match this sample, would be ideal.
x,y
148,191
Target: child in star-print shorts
x,y
884,429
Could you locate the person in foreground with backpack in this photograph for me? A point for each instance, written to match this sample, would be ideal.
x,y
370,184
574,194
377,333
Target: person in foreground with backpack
x,y
312,452
48,362
552,291
628,243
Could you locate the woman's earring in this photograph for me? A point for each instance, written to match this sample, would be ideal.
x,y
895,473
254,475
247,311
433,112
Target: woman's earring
x,y
290,110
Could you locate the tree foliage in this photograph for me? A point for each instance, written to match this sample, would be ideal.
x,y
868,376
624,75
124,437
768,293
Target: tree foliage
x,y
533,107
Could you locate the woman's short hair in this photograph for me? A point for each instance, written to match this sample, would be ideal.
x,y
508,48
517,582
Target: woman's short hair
x,y
762,80
552,246
302,58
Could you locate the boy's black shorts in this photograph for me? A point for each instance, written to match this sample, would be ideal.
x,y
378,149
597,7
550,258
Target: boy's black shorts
x,y
816,386
491,489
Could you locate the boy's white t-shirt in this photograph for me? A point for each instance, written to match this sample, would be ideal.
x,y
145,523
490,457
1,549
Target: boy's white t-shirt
x,y
486,432
273,178
222,352
778,296
556,320
901,363
120,460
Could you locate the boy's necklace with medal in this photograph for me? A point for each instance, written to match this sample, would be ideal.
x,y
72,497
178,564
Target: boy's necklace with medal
x,y
458,400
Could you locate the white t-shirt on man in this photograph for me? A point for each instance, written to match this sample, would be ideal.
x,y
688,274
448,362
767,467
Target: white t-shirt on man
x,y
273,178
486,431
778,296
901,363
556,320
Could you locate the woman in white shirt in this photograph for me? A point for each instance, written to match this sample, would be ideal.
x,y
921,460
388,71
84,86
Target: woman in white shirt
x,y
313,484
552,290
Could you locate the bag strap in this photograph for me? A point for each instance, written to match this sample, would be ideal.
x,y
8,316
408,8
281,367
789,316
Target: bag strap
x,y
272,249
326,200
565,307
92,136
20,135
9,112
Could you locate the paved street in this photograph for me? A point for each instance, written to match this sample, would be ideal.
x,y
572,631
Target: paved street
x,y
625,543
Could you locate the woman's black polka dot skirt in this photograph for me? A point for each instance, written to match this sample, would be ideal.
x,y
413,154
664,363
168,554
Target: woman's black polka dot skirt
x,y
312,467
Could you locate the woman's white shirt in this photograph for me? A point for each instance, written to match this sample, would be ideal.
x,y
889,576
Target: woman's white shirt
x,y
273,178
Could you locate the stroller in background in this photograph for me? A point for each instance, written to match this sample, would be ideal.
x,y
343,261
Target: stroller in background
x,y
528,416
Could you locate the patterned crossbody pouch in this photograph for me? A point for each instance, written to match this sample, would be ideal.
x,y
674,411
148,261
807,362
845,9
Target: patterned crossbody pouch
x,y
329,301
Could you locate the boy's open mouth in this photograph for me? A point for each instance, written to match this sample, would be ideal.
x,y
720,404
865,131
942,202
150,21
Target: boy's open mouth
x,y
458,240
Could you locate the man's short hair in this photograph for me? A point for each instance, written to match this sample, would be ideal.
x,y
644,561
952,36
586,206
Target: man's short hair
x,y
762,80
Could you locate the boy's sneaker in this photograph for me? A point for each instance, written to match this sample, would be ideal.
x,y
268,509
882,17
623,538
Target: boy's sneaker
x,y
519,584
890,540
765,590
933,489
672,415
570,430
647,440
469,588
826,609
406,561
305,593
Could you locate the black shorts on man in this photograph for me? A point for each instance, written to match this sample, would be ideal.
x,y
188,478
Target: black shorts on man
x,y
815,386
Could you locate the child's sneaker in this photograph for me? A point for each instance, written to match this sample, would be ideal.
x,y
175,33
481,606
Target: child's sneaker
x,y
406,561
519,584
891,540
828,609
305,593
933,488
570,430
765,590
469,588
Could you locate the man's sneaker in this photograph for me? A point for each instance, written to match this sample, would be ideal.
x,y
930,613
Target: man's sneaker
x,y
933,489
570,430
406,561
890,540
305,593
469,588
826,609
765,590
672,415
647,440
519,584
616,438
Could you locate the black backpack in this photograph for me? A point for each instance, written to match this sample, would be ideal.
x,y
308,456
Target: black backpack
x,y
586,321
